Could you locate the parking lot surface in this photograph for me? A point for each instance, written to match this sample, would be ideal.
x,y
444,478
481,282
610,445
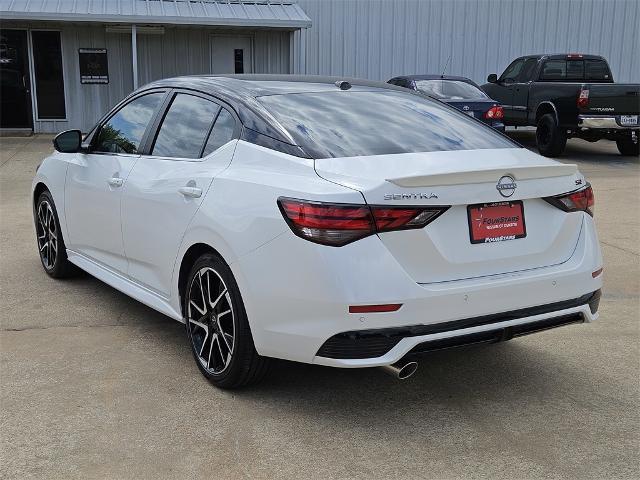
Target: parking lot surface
x,y
96,385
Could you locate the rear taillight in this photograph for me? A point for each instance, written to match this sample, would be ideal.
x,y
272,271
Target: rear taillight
x,y
495,112
337,224
583,98
579,201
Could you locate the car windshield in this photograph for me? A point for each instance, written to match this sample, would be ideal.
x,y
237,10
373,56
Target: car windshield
x,y
449,89
381,122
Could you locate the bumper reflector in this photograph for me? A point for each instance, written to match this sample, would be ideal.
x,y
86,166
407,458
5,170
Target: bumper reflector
x,y
390,307
596,273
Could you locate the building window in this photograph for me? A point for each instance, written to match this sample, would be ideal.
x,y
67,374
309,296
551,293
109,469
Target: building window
x,y
47,62
238,60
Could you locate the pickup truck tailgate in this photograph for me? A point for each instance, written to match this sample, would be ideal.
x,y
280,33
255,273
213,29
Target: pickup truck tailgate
x,y
613,99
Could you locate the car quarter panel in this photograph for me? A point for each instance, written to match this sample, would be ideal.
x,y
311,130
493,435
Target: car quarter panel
x,y
240,212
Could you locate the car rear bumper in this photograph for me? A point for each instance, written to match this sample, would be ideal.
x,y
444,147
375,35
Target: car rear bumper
x,y
297,296
604,122
387,346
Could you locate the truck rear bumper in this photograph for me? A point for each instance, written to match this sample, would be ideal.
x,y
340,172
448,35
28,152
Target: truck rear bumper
x,y
605,122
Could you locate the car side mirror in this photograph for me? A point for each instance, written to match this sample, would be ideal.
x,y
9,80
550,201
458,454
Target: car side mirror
x,y
69,141
492,78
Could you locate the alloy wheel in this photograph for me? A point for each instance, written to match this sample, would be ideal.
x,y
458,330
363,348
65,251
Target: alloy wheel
x,y
47,235
210,320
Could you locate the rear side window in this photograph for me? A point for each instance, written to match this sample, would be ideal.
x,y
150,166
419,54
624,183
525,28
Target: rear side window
x,y
222,132
185,127
596,70
356,123
123,132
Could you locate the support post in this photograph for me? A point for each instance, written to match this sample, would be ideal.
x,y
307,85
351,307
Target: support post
x,y
134,55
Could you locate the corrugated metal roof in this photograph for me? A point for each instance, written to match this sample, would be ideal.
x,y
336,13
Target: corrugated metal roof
x,y
245,13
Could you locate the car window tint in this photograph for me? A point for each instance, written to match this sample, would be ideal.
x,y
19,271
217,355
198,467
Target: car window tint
x,y
575,70
513,70
449,89
185,127
123,132
554,70
527,70
597,70
222,132
353,123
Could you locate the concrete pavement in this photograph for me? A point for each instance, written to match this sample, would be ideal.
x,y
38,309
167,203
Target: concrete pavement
x,y
96,385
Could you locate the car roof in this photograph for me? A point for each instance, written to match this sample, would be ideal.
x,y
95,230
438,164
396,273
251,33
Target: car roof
x,y
256,85
436,77
563,56
241,92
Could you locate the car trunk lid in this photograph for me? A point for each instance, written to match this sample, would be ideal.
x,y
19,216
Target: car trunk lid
x,y
443,251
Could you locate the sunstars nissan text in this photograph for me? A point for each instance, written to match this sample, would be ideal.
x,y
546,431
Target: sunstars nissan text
x,y
341,223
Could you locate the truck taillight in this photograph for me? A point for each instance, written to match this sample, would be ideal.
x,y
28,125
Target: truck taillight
x,y
337,224
495,112
578,201
583,98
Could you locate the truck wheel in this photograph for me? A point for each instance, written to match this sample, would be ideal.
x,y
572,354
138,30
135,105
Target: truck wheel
x,y
550,139
627,147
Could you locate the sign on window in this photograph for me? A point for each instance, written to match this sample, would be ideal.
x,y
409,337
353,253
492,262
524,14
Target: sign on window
x,y
94,67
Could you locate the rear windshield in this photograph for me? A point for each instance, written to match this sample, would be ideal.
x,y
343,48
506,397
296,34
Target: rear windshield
x,y
360,123
449,89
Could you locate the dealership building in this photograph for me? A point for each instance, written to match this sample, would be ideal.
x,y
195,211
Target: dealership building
x,y
63,63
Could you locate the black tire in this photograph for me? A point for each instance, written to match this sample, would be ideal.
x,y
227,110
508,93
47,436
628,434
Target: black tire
x,y
233,362
51,247
627,147
550,139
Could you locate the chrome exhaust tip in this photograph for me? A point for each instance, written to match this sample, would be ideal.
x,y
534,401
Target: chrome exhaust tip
x,y
400,371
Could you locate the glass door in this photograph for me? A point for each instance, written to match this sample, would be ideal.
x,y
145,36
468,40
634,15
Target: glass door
x,y
15,89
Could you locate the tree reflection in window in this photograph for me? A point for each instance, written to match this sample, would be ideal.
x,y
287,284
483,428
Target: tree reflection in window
x,y
123,132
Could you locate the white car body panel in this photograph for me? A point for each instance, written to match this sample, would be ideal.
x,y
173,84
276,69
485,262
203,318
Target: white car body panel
x,y
297,293
153,194
93,206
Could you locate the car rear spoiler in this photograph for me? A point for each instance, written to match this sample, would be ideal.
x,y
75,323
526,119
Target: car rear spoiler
x,y
528,172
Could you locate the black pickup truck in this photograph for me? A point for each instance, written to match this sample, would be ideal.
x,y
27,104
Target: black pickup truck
x,y
568,95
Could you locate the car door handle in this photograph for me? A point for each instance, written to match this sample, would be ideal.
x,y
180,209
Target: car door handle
x,y
115,182
192,192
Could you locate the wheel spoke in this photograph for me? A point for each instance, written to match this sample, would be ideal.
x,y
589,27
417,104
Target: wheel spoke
x,y
217,339
222,314
195,305
224,337
213,305
214,337
204,302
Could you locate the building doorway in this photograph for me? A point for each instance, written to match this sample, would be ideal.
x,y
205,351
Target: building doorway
x,y
231,54
15,85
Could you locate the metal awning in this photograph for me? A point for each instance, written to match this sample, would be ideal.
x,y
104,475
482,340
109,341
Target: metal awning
x,y
232,13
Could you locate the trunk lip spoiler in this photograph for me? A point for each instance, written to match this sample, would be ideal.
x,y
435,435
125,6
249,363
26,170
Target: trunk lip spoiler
x,y
464,177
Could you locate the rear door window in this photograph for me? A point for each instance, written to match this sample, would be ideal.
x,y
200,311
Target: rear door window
x,y
379,122
185,127
222,132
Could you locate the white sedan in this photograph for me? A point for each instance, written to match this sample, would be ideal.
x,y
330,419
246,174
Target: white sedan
x,y
341,223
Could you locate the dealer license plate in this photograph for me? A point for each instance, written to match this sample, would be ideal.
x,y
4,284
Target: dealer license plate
x,y
496,222
629,120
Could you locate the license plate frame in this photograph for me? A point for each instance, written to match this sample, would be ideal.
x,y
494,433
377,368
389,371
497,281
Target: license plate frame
x,y
496,210
629,120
